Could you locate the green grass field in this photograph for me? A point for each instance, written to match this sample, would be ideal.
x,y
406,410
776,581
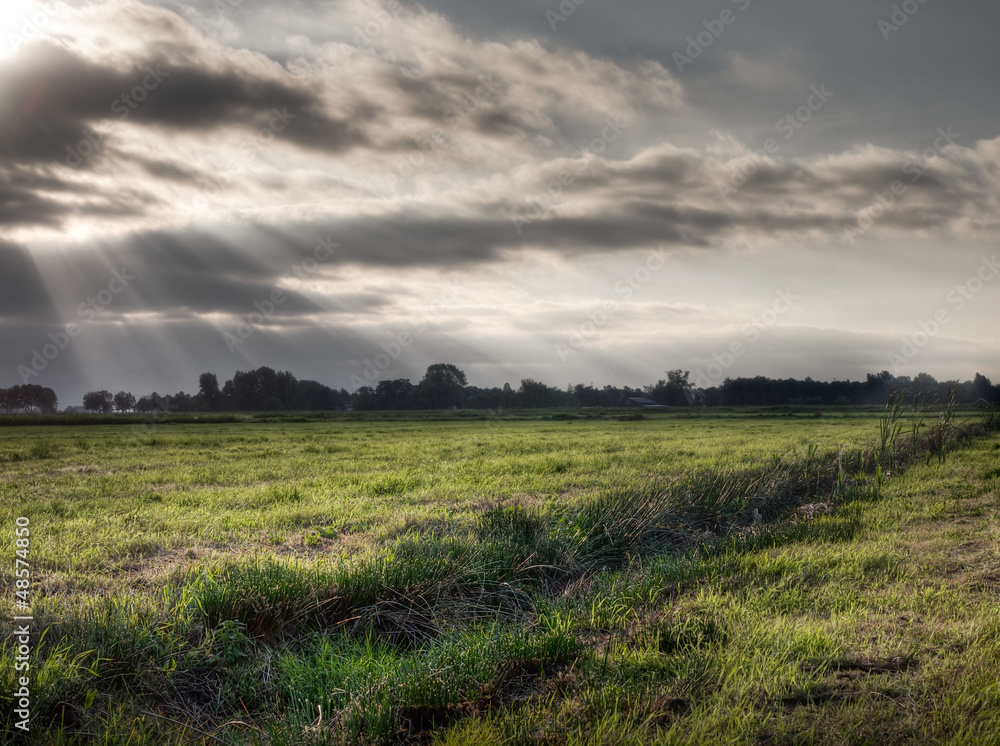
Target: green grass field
x,y
568,580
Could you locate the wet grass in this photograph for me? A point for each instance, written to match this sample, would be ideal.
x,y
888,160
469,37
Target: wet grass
x,y
655,581
109,498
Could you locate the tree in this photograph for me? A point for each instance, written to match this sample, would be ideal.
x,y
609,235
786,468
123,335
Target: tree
x,y
442,385
679,378
312,395
477,398
98,401
676,391
124,402
29,396
181,402
876,380
982,387
209,391
534,394
46,400
924,383
252,391
877,387
394,394
364,398
272,404
14,398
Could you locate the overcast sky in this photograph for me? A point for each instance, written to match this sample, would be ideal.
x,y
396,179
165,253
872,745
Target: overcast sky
x,y
589,191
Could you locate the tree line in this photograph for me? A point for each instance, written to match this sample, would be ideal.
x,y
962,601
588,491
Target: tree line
x,y
28,398
761,391
444,385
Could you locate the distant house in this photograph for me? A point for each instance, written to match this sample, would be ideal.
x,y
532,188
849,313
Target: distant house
x,y
638,401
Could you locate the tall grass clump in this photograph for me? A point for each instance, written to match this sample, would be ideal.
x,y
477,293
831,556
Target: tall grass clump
x,y
897,448
890,428
407,592
369,692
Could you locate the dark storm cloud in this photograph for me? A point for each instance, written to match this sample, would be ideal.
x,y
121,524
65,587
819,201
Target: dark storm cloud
x,y
20,204
175,276
446,99
657,199
187,273
36,195
703,195
420,240
193,272
168,170
937,69
52,97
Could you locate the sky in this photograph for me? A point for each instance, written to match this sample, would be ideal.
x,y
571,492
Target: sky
x,y
577,192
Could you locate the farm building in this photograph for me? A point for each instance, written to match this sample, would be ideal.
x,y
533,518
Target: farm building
x,y
638,401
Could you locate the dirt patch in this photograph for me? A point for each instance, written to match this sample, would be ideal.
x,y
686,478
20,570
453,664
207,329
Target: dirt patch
x,y
970,560
855,668
850,679
987,580
158,568
525,500
79,469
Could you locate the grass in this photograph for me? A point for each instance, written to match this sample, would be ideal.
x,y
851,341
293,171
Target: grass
x,y
667,580
109,499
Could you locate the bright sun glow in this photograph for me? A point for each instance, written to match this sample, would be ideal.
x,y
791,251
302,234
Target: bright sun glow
x,y
21,21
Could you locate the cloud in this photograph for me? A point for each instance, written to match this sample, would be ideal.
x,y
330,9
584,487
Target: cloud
x,y
663,196
700,197
423,145
22,200
134,103
53,95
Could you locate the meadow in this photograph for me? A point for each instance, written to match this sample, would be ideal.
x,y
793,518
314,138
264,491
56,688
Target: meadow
x,y
565,578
